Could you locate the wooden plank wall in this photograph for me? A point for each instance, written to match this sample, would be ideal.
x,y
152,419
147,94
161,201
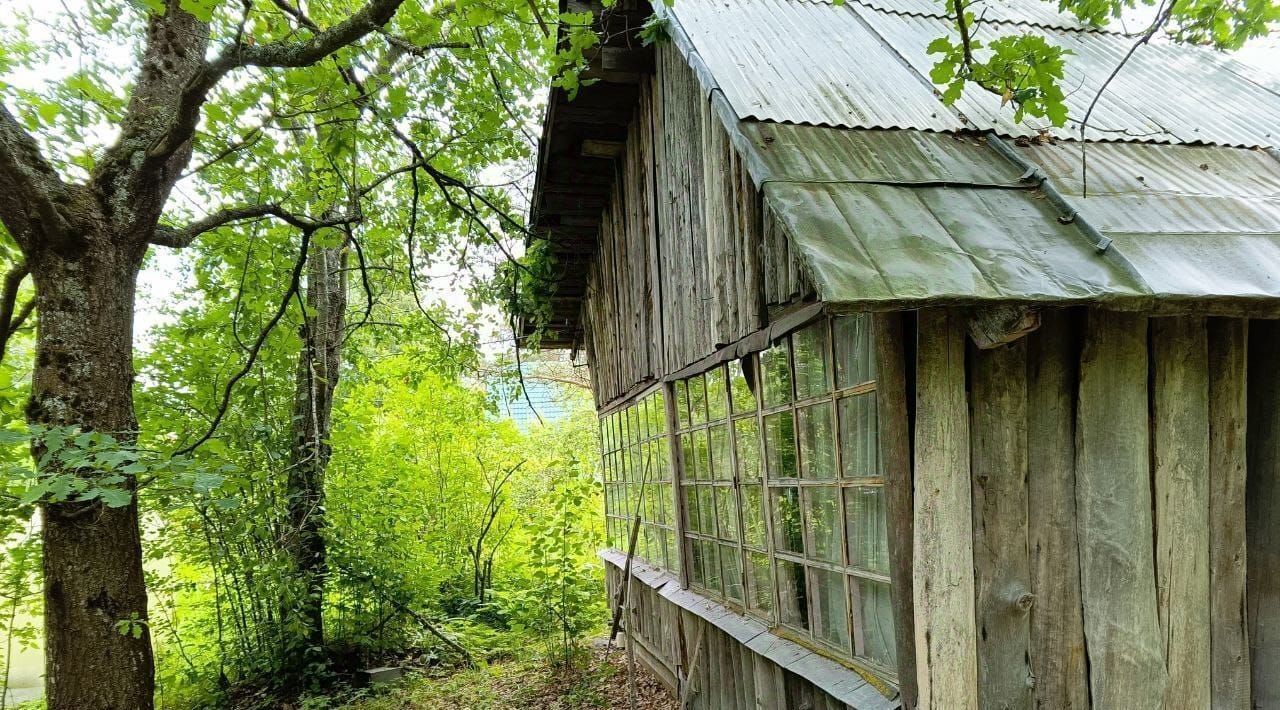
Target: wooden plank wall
x,y
1111,530
688,259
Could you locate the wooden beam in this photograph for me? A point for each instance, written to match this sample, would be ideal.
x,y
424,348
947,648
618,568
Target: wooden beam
x,y
946,633
1001,562
1180,418
1113,503
894,435
1228,634
999,325
1057,629
1263,511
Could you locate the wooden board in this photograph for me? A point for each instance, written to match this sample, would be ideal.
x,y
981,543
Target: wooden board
x,y
1001,565
1057,629
945,630
1180,420
1263,511
894,434
1113,504
1229,642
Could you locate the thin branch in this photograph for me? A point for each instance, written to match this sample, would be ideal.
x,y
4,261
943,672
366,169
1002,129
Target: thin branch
x,y
11,320
179,237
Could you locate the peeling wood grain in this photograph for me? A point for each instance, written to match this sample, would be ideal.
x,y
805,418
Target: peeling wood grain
x,y
946,635
1229,642
1113,504
1180,417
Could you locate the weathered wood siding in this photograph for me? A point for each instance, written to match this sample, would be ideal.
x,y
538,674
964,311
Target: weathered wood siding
x,y
686,262
1117,560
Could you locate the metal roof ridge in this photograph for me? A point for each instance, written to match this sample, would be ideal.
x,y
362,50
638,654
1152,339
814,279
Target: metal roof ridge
x,y
995,21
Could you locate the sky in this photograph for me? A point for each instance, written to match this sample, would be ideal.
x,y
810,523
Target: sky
x,y
164,275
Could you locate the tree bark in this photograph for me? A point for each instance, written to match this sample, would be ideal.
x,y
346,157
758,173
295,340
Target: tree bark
x,y
92,553
319,364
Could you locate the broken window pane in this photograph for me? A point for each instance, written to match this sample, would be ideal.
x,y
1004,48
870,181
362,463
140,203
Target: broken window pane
x,y
868,533
793,595
740,390
875,621
726,512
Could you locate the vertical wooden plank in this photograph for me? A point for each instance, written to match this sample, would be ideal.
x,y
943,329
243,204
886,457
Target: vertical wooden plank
x,y
1113,505
768,683
1262,509
1001,565
895,465
946,635
1180,418
1057,629
1228,635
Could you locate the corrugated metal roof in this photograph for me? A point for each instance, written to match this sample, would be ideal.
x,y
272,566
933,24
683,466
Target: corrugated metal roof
x,y
908,217
864,65
798,62
1030,13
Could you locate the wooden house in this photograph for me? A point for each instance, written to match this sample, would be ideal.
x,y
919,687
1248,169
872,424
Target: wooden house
x,y
918,406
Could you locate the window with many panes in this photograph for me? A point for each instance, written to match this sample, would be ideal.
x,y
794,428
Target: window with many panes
x,y
637,479
780,485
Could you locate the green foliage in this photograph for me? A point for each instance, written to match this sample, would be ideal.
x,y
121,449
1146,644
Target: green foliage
x,y
1024,70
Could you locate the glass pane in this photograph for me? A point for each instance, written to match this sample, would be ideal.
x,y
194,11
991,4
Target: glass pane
x,y
777,375
817,445
717,396
726,513
859,453
658,413
874,630
697,400
752,516
690,461
682,404
721,462
668,539
788,530
731,566
868,528
811,360
747,441
830,608
692,519
793,595
711,565
760,581
744,399
702,467
664,504
696,574
855,361
780,444
706,510
822,520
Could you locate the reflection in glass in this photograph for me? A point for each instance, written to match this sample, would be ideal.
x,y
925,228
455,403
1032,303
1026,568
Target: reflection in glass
x,y
726,513
682,404
859,454
747,441
721,463
777,374
717,397
793,595
789,533
740,391
780,444
817,444
731,568
697,400
753,525
760,581
830,608
855,361
875,616
811,360
701,458
868,532
822,520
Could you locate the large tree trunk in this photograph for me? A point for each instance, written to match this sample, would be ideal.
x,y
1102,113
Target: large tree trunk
x,y
92,554
318,368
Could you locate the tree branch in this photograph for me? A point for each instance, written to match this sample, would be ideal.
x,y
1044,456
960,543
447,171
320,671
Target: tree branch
x,y
29,186
9,320
179,237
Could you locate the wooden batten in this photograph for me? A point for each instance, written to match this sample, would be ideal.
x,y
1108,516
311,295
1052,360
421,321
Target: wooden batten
x,y
1001,565
895,464
1113,505
945,630
1229,639
1057,627
1180,420
1262,507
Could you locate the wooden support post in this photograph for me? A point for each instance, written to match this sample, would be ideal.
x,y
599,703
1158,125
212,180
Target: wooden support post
x,y
1263,511
1001,564
1229,638
946,634
895,465
1113,503
1180,417
1057,629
